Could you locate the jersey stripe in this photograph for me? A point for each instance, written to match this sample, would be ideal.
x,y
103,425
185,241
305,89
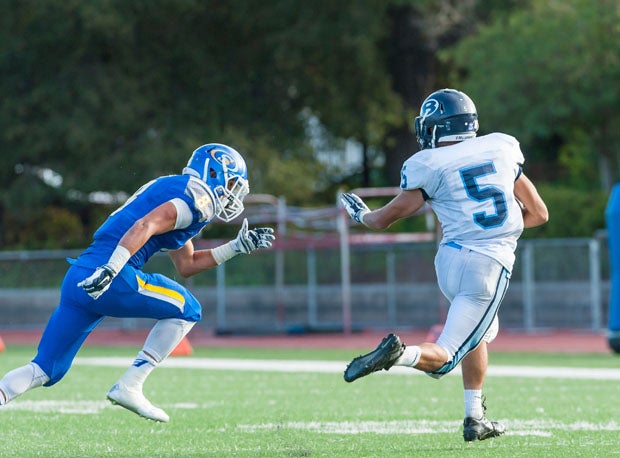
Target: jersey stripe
x,y
478,334
159,292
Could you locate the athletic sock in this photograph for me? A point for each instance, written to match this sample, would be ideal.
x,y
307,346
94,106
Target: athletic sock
x,y
163,338
20,380
137,373
473,404
410,357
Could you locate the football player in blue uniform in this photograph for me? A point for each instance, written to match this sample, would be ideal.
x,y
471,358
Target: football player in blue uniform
x,y
107,278
483,200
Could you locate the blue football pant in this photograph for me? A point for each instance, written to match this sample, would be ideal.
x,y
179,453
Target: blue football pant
x,y
132,294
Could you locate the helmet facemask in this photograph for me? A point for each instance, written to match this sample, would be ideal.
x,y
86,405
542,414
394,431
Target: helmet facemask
x,y
229,199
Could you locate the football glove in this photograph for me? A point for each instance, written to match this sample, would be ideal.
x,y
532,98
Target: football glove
x,y
250,240
355,206
98,282
247,240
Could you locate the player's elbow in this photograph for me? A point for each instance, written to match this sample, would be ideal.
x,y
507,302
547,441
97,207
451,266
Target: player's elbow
x,y
544,217
183,268
185,273
380,226
542,214
536,218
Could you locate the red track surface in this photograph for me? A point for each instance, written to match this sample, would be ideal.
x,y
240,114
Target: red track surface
x,y
557,341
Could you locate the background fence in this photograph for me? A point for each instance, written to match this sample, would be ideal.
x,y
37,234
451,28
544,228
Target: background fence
x,y
556,283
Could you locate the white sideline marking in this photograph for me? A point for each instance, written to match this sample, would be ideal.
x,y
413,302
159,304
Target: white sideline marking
x,y
515,427
269,365
542,428
80,407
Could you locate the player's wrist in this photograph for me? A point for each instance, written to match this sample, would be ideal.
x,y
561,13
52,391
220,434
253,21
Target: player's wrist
x,y
118,259
224,252
360,216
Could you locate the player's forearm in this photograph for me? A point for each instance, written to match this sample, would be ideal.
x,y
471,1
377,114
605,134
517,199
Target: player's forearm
x,y
189,264
534,209
403,205
377,220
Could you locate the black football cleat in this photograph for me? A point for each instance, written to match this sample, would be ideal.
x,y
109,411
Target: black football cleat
x,y
382,357
481,429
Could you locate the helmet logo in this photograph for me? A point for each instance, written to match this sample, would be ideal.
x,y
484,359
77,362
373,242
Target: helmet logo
x,y
223,157
429,107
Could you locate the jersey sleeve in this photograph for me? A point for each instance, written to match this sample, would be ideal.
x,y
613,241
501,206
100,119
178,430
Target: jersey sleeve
x,y
185,216
200,200
415,174
514,149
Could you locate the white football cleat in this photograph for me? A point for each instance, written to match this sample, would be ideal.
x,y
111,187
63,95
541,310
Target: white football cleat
x,y
134,400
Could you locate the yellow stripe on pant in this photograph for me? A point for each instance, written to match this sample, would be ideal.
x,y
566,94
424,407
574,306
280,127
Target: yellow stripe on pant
x,y
159,292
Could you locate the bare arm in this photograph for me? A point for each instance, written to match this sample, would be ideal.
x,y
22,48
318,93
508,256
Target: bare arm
x,y
159,220
405,204
189,262
535,211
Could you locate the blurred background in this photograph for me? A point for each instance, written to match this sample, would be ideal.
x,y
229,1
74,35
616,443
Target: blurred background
x,y
101,96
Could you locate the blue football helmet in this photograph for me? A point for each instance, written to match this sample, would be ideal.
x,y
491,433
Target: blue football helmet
x,y
446,115
224,170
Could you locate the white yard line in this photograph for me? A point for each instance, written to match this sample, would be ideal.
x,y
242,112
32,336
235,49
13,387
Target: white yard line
x,y
269,365
516,427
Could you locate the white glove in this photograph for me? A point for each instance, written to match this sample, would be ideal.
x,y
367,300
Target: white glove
x,y
98,282
355,206
250,240
245,242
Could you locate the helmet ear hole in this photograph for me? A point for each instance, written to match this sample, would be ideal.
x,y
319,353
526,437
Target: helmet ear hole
x,y
212,173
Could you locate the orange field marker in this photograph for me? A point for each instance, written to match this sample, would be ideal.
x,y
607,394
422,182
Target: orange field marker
x,y
183,349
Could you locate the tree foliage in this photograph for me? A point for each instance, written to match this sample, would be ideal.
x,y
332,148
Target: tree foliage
x,y
110,93
548,74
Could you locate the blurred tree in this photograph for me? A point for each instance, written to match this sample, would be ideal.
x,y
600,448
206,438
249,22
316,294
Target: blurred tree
x,y
419,29
111,93
549,75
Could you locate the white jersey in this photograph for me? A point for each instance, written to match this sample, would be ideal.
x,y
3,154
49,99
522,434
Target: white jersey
x,y
470,187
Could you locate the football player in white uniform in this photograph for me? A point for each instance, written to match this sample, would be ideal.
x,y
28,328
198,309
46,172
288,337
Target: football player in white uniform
x,y
483,200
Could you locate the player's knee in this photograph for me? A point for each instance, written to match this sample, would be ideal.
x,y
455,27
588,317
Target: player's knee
x,y
53,371
491,333
445,360
192,311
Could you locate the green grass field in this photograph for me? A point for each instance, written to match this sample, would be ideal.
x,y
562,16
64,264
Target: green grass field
x,y
255,413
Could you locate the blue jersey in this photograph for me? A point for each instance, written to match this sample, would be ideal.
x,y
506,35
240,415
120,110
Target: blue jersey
x,y
191,193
